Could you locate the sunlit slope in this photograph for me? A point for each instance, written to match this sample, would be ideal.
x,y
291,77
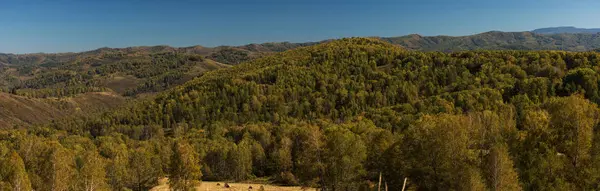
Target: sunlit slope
x,y
19,110
359,76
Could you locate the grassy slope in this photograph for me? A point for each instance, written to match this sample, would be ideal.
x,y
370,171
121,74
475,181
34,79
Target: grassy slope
x,y
18,110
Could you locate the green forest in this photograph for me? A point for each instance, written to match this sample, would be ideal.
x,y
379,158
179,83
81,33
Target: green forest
x,y
334,116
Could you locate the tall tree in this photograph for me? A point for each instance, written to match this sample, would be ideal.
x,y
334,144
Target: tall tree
x,y
345,154
144,173
307,152
185,166
16,176
573,118
500,171
240,159
58,169
283,161
434,154
92,172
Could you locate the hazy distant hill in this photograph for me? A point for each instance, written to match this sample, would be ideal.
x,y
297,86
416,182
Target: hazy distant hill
x,y
560,30
496,40
493,40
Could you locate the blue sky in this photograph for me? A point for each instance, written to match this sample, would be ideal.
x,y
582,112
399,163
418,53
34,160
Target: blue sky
x,y
28,26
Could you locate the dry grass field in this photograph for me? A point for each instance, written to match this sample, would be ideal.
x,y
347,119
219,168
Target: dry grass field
x,y
219,186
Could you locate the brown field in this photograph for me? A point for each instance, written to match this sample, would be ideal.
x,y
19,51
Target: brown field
x,y
212,186
120,83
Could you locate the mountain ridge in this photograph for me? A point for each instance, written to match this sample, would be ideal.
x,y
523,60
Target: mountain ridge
x,y
495,40
566,29
491,40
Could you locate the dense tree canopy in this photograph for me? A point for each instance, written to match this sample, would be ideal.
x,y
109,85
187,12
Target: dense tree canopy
x,y
335,116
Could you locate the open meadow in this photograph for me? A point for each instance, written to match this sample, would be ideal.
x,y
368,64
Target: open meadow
x,y
220,186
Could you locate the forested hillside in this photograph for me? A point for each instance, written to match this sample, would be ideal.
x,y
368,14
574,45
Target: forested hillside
x,y
140,70
38,81
44,87
127,73
336,115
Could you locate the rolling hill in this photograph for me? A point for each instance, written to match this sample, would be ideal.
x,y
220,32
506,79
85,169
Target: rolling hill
x,y
128,72
37,88
215,52
335,115
353,108
142,71
231,55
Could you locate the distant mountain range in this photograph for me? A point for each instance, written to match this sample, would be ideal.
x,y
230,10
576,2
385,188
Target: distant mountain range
x,y
496,40
557,38
562,30
223,54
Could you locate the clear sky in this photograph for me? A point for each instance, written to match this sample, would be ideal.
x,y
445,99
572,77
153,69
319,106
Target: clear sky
x,y
28,26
